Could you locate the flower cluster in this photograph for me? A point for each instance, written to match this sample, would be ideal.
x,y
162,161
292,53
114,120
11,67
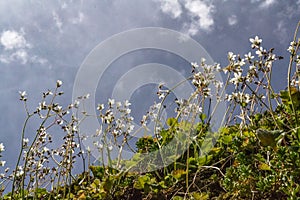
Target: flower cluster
x,y
239,97
40,161
115,127
2,162
204,76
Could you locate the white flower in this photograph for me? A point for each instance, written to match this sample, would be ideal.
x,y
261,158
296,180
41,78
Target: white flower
x,y
86,96
231,56
241,63
255,42
25,141
249,56
127,111
2,163
110,148
236,79
218,84
111,102
200,110
22,93
248,99
194,64
259,52
100,107
118,104
298,59
45,149
2,148
42,106
40,165
127,103
217,67
20,171
291,48
252,67
88,149
76,103
130,128
228,97
162,95
74,129
58,83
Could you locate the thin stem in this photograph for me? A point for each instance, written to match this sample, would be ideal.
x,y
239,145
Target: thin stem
x,y
21,151
289,78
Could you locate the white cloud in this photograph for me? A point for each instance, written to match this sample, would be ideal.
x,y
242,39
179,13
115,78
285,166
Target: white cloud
x,y
78,19
18,56
64,5
281,31
16,47
201,13
267,3
191,29
57,20
13,39
171,7
232,20
21,56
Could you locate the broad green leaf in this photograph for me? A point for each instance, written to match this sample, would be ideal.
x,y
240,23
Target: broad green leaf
x,y
204,160
226,139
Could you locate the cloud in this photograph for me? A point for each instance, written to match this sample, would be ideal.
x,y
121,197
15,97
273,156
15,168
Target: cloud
x,y
64,5
199,14
232,20
281,31
267,3
57,21
13,39
171,7
78,19
202,12
20,56
16,47
264,4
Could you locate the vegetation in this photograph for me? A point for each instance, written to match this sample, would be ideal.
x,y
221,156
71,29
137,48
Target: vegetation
x,y
254,155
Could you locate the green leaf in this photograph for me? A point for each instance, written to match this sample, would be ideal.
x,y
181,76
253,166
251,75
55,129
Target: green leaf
x,y
177,198
202,116
178,173
226,139
200,196
142,180
264,166
268,138
98,171
171,122
204,160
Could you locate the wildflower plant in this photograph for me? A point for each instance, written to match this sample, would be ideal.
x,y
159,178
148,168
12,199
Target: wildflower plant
x,y
254,155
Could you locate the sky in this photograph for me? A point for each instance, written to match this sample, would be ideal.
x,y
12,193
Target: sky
x,y
43,41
